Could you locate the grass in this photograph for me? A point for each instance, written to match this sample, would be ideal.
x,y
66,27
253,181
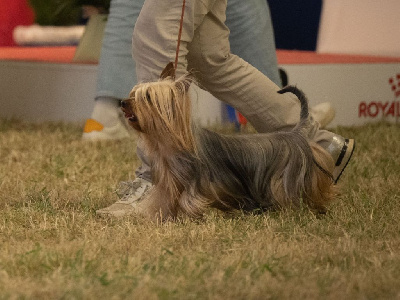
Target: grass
x,y
54,247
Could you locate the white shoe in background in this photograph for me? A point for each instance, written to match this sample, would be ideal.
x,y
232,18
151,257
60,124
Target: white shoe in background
x,y
94,130
323,113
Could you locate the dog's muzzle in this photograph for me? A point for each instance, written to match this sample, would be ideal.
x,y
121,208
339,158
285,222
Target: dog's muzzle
x,y
126,108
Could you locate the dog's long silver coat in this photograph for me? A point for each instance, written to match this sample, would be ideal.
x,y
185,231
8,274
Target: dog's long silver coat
x,y
194,168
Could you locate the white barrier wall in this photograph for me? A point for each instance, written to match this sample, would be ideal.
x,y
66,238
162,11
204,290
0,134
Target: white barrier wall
x,y
37,92
360,93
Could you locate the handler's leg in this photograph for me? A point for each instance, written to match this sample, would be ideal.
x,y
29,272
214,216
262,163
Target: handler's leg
x,y
252,39
236,82
156,32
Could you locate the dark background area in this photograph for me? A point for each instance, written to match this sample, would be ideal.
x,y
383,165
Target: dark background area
x,y
296,23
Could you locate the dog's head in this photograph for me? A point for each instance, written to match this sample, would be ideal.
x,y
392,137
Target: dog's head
x,y
161,109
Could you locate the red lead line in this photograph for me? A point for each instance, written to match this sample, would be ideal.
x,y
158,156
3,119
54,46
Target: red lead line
x,y
179,35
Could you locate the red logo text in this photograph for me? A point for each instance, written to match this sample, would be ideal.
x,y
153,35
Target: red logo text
x,y
376,109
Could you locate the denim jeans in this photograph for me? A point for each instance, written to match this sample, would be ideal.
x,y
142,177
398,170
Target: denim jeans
x,y
116,71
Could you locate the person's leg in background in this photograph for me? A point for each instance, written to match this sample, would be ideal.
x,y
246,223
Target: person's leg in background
x,y
116,73
252,36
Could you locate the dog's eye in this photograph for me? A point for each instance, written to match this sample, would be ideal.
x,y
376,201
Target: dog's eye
x,y
148,98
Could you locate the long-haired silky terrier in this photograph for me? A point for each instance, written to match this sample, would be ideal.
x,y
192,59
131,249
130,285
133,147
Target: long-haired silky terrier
x,y
194,168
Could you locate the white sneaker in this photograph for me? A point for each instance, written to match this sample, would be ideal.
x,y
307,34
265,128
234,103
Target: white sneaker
x,y
324,113
131,193
94,130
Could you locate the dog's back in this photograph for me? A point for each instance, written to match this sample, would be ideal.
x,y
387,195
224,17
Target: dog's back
x,y
265,170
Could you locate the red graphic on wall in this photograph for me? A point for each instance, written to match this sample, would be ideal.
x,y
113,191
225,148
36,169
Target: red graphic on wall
x,y
395,84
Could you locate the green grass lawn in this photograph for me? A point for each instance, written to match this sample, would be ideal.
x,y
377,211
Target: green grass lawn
x,y
52,245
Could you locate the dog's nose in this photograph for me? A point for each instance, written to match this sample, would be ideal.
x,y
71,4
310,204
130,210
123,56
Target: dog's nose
x,y
124,104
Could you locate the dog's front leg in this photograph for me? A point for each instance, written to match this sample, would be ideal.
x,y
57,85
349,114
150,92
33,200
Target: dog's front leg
x,y
157,206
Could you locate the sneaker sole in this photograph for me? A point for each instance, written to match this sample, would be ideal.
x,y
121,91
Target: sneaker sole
x,y
344,158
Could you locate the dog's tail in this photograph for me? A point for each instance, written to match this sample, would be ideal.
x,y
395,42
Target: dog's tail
x,y
302,98
319,156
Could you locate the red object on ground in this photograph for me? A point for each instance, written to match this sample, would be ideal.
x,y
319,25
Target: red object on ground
x,y
241,119
12,14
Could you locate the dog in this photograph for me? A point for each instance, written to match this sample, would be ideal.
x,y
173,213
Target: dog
x,y
194,169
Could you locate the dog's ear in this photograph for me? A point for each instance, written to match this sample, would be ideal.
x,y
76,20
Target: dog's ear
x,y
185,82
169,71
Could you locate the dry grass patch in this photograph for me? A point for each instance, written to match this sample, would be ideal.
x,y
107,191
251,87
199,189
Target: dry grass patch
x,y
54,247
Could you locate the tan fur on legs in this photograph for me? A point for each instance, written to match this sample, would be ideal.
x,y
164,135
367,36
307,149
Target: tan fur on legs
x,y
323,191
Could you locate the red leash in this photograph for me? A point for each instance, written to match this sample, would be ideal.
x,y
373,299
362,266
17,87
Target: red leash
x,y
179,35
